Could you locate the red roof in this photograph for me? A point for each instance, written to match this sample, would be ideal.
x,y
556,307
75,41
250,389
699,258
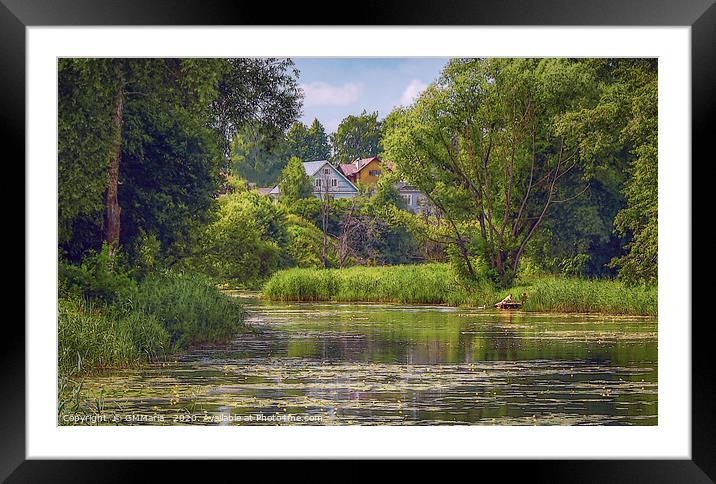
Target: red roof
x,y
360,164
349,169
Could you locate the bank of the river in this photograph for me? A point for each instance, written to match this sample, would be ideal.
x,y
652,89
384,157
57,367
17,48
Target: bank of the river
x,y
163,315
437,284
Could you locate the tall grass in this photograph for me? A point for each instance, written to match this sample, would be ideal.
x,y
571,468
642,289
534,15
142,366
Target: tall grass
x,y
94,337
190,308
163,314
438,284
589,295
426,284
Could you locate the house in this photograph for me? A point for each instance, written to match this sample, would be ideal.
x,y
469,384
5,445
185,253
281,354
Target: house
x,y
327,179
365,171
415,201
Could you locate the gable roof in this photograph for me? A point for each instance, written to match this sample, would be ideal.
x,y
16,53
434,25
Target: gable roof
x,y
312,167
349,169
362,163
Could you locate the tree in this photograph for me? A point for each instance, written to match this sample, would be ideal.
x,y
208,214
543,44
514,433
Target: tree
x,y
319,142
490,145
308,143
294,184
618,142
304,245
245,240
261,92
357,137
84,140
640,216
326,208
258,156
134,119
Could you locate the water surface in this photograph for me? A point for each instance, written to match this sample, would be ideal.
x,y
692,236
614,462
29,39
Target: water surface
x,y
338,363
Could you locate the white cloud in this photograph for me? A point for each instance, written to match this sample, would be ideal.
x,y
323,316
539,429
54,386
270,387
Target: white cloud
x,y
412,91
323,94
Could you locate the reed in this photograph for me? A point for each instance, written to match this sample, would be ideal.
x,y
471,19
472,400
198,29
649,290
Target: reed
x,y
590,295
165,313
95,337
189,306
438,284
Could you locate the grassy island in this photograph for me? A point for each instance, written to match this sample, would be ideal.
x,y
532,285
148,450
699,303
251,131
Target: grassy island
x,y
437,284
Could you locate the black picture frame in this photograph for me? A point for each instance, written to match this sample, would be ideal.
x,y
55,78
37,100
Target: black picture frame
x,y
700,15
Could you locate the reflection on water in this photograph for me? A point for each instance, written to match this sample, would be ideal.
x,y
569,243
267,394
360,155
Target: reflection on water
x,y
333,363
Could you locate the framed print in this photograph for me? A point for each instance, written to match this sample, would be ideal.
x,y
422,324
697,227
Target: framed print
x,y
438,232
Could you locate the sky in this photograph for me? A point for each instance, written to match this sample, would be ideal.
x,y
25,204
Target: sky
x,y
336,87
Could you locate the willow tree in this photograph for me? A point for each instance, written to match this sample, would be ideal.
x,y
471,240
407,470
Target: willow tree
x,y
490,146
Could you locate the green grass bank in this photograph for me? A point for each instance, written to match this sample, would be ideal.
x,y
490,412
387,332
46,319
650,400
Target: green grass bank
x,y
162,315
437,284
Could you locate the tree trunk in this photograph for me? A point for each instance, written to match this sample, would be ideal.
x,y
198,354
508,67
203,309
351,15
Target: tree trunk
x,y
111,227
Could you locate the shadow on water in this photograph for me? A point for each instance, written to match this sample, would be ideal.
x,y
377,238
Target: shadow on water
x,y
335,363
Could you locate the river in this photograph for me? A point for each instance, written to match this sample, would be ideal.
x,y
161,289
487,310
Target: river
x,y
340,363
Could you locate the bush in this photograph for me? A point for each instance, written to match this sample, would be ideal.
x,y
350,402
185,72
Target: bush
x,y
305,243
147,254
243,243
99,276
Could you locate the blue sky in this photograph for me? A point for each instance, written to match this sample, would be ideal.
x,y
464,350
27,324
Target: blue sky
x,y
336,87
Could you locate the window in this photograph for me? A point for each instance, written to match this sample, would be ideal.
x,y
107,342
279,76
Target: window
x,y
408,198
326,171
334,182
318,182
374,172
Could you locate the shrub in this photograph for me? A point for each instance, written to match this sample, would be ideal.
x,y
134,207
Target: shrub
x,y
99,276
243,243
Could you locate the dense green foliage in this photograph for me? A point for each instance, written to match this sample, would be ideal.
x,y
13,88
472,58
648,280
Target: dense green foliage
x,y
175,122
308,143
536,157
440,284
243,241
294,184
357,137
258,157
640,217
157,133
